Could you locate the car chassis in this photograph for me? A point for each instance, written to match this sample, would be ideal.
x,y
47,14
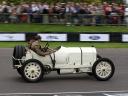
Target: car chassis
x,y
65,60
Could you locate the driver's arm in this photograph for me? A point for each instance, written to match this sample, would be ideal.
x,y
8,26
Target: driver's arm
x,y
40,52
52,50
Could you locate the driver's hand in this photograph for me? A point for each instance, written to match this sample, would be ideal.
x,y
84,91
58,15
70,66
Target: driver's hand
x,y
52,51
44,49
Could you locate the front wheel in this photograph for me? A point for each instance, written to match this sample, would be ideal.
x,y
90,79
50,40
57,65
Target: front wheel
x,y
98,56
103,69
32,70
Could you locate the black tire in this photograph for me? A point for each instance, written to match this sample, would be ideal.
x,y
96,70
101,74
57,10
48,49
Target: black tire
x,y
18,53
103,71
27,76
19,71
98,56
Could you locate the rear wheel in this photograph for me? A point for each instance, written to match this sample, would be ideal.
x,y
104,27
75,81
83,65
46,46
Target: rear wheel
x,y
103,69
32,70
19,71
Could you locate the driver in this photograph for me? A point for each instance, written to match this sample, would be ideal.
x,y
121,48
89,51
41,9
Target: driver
x,y
34,44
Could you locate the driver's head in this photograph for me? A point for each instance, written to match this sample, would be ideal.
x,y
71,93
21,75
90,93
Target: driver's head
x,y
33,39
37,37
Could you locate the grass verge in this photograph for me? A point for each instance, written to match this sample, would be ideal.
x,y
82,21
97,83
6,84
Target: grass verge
x,y
69,44
63,28
59,28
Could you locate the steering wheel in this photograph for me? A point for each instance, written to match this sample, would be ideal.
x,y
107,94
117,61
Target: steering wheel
x,y
46,47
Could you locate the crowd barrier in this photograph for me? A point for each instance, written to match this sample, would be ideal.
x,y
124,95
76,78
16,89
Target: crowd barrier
x,y
66,36
76,19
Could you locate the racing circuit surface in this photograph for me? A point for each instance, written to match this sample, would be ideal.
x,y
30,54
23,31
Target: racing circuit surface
x,y
11,81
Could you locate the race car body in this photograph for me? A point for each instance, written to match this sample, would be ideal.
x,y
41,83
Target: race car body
x,y
65,60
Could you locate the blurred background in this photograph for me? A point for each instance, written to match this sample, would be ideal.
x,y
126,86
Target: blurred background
x,y
76,12
68,20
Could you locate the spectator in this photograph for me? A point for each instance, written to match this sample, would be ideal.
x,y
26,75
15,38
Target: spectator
x,y
99,14
70,12
45,8
121,9
13,16
36,12
5,12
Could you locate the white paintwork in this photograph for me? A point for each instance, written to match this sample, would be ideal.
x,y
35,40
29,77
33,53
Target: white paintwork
x,y
68,59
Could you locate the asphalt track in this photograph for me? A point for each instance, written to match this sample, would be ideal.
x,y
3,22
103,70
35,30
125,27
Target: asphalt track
x,y
11,81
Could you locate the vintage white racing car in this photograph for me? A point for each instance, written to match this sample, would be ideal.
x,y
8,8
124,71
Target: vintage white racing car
x,y
65,60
